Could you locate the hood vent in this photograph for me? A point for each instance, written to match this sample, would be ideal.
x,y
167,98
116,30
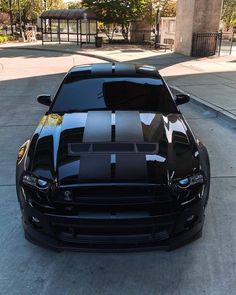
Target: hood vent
x,y
75,149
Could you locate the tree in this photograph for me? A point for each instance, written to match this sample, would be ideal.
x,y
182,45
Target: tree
x,y
30,9
229,13
74,5
8,6
4,18
118,12
55,4
169,8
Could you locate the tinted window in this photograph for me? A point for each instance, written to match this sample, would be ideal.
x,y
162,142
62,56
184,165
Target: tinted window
x,y
116,93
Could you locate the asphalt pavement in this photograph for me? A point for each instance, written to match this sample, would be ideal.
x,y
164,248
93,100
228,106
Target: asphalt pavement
x,y
207,266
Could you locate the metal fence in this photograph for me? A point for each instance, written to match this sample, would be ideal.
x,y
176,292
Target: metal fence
x,y
208,44
227,44
204,44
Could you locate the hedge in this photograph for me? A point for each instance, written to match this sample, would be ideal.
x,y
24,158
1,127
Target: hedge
x,y
4,39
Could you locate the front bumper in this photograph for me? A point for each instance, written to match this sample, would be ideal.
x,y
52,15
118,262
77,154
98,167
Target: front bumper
x,y
109,233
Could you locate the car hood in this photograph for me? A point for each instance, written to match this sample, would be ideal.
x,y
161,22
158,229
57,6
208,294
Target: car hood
x,y
105,146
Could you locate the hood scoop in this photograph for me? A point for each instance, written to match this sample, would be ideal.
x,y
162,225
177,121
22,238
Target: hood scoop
x,y
76,149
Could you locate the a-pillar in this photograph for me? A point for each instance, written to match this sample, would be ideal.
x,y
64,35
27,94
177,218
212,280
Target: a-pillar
x,y
195,16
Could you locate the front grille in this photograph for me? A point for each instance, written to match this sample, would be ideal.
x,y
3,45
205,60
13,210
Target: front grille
x,y
115,232
114,214
98,239
153,199
114,195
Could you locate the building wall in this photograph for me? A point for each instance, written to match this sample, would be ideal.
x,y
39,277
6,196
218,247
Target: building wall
x,y
167,28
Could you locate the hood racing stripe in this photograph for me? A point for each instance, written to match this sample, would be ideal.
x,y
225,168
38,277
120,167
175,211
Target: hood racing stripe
x,y
98,127
131,166
95,167
128,126
101,68
129,129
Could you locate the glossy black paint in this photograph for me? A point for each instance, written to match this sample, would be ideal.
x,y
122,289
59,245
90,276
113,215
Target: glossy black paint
x,y
44,99
112,176
182,98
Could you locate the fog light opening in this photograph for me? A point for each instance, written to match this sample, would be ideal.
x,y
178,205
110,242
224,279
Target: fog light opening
x,y
35,222
190,221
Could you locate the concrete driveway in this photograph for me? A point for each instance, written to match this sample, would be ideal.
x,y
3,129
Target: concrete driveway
x,y
207,266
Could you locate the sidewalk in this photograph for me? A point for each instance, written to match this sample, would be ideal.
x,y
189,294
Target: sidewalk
x,y
210,81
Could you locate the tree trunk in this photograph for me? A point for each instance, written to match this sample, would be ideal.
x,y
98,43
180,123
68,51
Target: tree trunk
x,y
11,16
24,19
11,22
125,32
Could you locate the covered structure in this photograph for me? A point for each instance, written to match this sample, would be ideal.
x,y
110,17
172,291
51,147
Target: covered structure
x,y
69,25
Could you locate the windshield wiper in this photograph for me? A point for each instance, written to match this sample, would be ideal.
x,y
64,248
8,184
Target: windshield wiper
x,y
69,111
66,111
97,109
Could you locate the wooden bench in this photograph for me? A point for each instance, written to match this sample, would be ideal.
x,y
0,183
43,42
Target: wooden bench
x,y
164,46
168,44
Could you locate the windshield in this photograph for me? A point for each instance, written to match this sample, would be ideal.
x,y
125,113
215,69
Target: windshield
x,y
116,93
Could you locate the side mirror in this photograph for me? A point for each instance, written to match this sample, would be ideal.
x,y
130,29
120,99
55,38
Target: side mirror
x,y
182,98
44,99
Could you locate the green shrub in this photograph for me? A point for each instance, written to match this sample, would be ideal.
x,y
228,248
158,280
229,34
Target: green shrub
x,y
4,39
11,38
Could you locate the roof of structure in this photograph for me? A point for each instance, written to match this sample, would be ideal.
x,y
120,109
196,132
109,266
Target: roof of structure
x,y
69,14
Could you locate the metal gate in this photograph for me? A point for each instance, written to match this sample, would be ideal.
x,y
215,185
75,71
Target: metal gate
x,y
205,44
208,44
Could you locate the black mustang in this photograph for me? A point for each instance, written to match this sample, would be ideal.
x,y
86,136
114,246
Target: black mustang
x,y
113,165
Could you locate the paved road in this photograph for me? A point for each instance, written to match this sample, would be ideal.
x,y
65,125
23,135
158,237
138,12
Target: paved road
x,y
207,266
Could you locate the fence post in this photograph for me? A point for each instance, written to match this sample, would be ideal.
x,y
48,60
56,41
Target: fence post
x,y
192,47
42,30
220,42
231,45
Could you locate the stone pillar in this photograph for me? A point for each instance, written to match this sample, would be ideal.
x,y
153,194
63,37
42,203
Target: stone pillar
x,y
195,16
140,31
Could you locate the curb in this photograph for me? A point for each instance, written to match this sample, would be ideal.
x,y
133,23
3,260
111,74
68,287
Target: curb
x,y
220,113
64,51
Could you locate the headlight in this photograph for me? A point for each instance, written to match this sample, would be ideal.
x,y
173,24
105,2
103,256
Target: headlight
x,y
35,182
22,151
187,189
191,181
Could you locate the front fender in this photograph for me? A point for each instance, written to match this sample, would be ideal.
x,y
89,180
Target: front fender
x,y
20,168
205,167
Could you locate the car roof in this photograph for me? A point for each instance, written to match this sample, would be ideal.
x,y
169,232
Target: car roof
x,y
113,69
